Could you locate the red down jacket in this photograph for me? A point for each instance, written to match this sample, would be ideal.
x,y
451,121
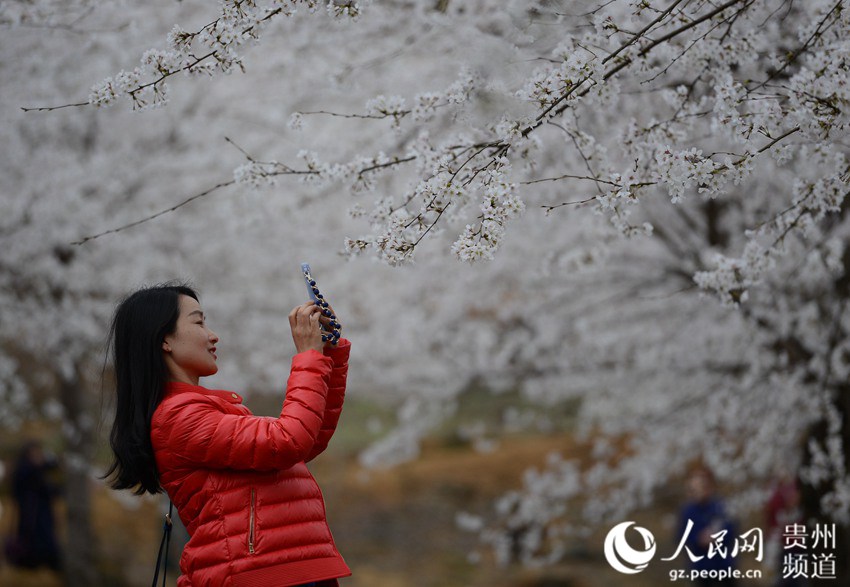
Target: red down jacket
x,y
255,515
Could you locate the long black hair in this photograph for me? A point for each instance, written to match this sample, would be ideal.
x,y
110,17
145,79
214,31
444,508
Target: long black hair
x,y
141,323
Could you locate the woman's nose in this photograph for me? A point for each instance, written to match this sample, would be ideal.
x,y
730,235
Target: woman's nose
x,y
213,337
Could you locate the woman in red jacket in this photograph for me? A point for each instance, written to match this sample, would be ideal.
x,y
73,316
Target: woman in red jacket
x,y
255,515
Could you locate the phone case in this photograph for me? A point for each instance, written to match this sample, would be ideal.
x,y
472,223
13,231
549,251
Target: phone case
x,y
313,291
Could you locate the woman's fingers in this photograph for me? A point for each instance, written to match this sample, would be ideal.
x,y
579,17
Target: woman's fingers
x,y
328,315
314,320
303,309
309,323
304,322
311,308
325,320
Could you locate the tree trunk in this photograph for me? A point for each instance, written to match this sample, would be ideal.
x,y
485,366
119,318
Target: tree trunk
x,y
79,560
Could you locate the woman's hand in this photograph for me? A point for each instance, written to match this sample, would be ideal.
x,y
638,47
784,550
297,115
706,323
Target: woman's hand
x,y
306,331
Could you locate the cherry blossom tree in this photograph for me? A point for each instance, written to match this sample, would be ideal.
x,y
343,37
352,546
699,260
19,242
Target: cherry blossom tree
x,y
658,189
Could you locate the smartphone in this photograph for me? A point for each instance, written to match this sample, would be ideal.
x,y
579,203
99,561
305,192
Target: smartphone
x,y
313,291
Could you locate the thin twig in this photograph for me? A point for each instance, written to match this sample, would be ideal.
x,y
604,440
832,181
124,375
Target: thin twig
x,y
49,108
157,215
551,207
383,165
568,176
340,115
240,149
283,170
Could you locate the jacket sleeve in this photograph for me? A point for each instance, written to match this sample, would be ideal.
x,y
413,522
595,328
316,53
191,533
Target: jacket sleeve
x,y
336,395
198,433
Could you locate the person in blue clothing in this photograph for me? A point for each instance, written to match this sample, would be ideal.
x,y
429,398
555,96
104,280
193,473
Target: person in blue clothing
x,y
710,533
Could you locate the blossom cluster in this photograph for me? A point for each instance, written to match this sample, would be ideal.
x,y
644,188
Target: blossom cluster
x,y
682,170
210,50
731,278
387,107
397,230
549,86
500,203
525,534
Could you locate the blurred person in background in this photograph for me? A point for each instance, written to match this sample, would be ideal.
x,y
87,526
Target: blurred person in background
x,y
711,537
34,543
784,509
254,513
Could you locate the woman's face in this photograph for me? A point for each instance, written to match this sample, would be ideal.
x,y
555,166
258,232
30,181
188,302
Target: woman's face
x,y
190,351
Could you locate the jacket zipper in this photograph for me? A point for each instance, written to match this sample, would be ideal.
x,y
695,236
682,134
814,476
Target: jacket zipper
x,y
251,522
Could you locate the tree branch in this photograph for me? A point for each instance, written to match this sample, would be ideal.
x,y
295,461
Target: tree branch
x,y
189,200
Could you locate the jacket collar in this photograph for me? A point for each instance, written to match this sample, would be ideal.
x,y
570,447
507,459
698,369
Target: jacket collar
x,y
175,387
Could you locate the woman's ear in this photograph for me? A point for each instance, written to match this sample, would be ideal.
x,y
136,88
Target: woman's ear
x,y
166,347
